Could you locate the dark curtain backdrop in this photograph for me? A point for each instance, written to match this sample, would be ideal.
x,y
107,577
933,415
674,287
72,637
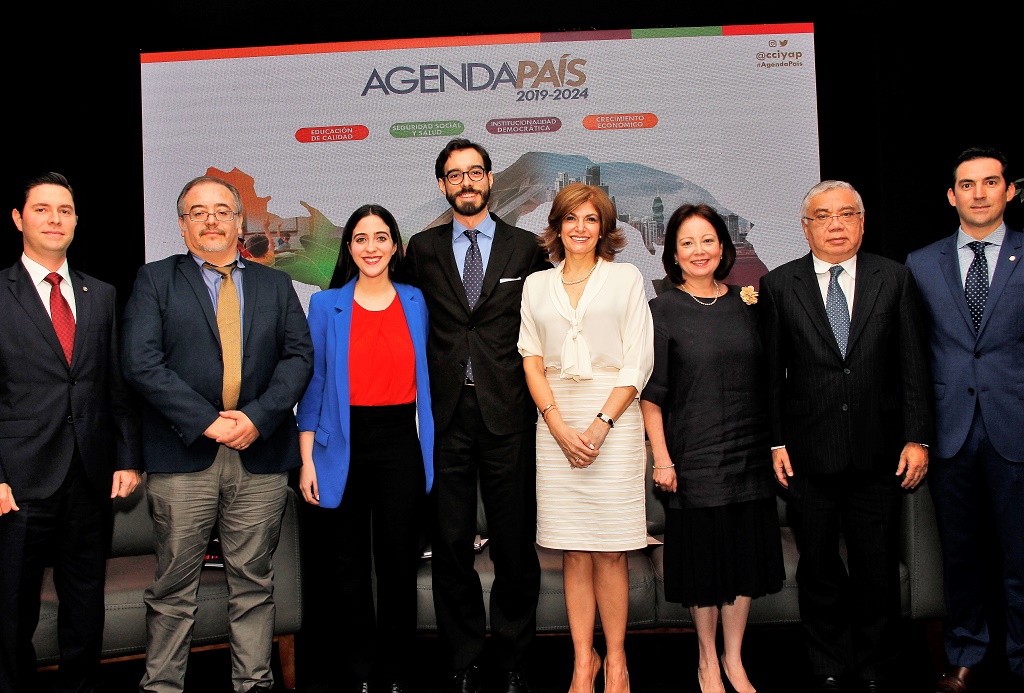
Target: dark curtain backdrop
x,y
897,98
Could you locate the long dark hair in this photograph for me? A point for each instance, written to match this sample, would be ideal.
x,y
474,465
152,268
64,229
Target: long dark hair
x,y
345,268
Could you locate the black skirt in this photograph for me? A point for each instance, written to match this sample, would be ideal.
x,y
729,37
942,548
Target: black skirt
x,y
713,555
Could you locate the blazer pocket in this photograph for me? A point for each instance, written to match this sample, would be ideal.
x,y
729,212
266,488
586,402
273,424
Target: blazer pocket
x,y
19,428
321,436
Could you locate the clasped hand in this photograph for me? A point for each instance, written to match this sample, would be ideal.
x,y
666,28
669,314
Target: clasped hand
x,y
581,449
233,429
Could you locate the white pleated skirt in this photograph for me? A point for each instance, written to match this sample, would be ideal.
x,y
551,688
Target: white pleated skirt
x,y
600,507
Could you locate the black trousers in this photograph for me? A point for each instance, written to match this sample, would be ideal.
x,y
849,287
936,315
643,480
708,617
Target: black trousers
x,y
376,528
850,612
504,468
69,531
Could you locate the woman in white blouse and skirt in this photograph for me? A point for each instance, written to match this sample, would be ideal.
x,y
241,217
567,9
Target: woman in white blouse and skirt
x,y
588,349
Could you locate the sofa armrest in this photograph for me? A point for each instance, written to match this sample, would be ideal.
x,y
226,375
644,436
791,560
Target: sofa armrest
x,y
921,551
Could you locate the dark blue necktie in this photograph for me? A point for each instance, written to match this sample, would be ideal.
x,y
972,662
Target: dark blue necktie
x,y
976,286
837,309
472,281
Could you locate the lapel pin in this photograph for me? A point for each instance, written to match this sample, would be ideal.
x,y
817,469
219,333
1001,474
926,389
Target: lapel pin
x,y
86,288
1012,258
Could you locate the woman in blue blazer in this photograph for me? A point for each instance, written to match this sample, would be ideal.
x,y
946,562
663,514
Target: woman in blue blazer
x,y
366,437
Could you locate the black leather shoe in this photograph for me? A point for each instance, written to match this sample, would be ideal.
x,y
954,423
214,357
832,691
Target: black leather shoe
x,y
515,682
828,684
467,680
875,686
397,688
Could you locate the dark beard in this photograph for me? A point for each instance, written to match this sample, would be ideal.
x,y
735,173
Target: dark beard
x,y
469,209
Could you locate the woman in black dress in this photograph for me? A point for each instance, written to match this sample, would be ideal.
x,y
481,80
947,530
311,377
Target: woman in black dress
x,y
704,411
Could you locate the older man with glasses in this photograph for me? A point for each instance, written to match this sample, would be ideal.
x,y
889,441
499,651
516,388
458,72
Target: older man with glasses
x,y
850,410
219,351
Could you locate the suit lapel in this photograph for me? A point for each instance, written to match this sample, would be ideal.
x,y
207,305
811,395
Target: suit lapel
x,y
805,285
250,290
25,293
1011,247
341,323
83,310
867,285
194,276
446,259
949,266
500,253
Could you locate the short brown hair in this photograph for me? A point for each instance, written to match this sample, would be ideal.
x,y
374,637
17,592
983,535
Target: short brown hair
x,y
612,238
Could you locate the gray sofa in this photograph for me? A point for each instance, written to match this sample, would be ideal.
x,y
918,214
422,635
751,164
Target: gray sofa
x,y
920,575
130,570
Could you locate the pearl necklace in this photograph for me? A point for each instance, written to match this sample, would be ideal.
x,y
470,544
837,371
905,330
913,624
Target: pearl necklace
x,y
577,281
713,301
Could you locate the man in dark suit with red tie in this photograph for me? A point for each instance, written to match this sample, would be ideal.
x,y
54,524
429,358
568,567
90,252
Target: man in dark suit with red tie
x,y
851,416
973,290
471,272
69,442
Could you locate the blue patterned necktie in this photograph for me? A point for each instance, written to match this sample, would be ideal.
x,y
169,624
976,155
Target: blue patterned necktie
x,y
837,309
472,281
976,286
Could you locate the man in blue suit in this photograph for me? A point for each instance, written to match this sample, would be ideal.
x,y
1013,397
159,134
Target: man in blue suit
x,y
973,291
219,351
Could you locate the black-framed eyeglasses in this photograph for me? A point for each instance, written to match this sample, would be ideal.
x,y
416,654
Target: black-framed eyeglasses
x,y
476,174
201,215
823,219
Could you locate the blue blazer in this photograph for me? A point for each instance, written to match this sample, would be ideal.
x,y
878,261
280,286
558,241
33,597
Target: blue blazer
x,y
325,406
986,368
171,356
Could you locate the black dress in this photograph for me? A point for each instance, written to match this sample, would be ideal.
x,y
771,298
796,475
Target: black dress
x,y
722,530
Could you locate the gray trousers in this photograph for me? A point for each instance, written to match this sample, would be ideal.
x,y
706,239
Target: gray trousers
x,y
249,509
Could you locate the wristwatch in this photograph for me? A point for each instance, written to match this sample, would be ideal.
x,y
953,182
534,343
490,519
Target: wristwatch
x,y
607,419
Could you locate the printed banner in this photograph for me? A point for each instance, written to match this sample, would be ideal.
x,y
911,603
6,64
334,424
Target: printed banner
x,y
658,118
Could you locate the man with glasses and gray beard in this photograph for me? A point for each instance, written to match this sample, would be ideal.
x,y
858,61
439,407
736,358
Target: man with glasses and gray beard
x,y
219,351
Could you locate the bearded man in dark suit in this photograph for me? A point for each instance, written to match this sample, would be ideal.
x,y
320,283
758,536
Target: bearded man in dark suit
x,y
483,417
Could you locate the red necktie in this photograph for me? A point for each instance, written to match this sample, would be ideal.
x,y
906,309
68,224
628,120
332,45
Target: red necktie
x,y
60,313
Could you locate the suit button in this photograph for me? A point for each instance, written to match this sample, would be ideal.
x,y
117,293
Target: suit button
x,y
845,407
74,382
71,419
846,370
977,354
462,363
472,327
970,391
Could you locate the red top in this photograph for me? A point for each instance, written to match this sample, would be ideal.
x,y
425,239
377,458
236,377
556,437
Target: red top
x,y
381,360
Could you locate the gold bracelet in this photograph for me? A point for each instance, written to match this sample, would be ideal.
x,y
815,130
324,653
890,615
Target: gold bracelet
x,y
545,410
667,466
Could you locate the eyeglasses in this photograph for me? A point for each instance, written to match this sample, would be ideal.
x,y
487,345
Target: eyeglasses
x,y
476,174
201,215
823,219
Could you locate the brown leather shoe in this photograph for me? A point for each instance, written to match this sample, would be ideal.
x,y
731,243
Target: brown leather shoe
x,y
955,680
